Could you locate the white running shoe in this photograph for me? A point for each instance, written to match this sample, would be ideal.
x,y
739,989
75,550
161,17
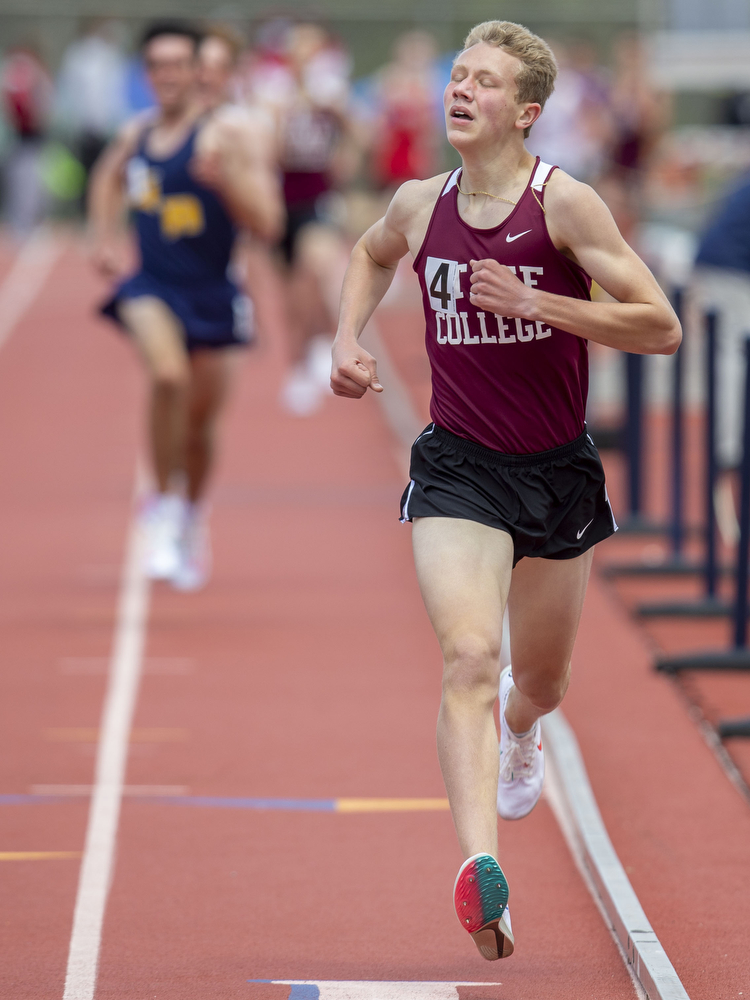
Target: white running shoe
x,y
163,525
318,361
195,551
521,762
301,394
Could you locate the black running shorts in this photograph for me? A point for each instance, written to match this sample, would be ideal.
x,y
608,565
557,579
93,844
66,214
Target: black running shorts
x,y
553,504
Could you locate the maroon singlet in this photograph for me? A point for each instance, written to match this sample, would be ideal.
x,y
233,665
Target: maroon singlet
x,y
512,385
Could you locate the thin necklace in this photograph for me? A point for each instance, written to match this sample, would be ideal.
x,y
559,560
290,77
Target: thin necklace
x,y
497,197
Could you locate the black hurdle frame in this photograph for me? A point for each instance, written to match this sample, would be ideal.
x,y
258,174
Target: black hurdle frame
x,y
677,564
737,657
710,605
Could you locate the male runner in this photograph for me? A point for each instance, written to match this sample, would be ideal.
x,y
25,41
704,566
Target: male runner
x,y
313,130
505,249
191,176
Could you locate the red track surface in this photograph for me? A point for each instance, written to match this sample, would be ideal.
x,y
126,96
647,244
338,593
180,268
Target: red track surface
x,y
307,669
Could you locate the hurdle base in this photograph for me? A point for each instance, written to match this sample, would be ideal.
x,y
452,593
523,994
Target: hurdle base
x,y
637,524
734,727
668,567
709,607
730,659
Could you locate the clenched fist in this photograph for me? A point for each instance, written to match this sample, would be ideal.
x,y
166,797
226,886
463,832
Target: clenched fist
x,y
495,288
353,371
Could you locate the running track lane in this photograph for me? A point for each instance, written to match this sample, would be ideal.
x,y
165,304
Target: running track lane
x,y
68,398
307,670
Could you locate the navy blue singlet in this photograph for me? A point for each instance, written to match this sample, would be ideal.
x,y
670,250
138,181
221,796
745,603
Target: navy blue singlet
x,y
185,237
184,232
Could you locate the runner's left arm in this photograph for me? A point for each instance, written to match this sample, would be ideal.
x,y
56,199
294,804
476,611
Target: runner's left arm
x,y
235,156
640,320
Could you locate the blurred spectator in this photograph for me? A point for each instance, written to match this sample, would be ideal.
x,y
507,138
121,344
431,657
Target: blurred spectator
x,y
91,90
641,114
265,78
576,129
408,125
26,91
722,283
736,109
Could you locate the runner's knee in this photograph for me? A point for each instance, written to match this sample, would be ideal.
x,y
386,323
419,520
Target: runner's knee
x,y
170,379
544,691
472,663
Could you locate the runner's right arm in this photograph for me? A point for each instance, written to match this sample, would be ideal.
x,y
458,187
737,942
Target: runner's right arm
x,y
106,199
370,272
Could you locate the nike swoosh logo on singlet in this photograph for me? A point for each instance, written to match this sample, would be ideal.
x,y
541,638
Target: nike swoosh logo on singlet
x,y
509,238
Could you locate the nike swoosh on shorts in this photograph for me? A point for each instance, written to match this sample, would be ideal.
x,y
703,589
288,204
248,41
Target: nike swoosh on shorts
x,y
580,533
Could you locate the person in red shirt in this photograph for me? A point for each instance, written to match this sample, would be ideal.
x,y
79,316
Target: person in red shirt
x,y
507,494
405,142
26,92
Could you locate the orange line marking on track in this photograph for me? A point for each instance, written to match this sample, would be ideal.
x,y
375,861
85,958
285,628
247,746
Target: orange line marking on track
x,y
87,734
391,805
38,855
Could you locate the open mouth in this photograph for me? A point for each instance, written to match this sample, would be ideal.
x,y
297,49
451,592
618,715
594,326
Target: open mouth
x,y
462,114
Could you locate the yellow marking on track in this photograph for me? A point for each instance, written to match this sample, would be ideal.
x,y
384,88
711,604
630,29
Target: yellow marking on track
x,y
38,855
391,805
87,734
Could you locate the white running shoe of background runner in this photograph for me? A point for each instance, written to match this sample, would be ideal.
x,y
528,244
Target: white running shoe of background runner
x,y
162,522
195,551
521,762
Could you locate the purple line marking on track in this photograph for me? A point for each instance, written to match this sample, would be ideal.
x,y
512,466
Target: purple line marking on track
x,y
297,991
25,800
200,801
218,802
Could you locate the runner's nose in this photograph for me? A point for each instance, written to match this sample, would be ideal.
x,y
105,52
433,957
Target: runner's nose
x,y
462,90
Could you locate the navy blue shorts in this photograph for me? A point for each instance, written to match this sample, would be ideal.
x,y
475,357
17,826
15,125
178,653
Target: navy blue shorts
x,y
553,504
214,314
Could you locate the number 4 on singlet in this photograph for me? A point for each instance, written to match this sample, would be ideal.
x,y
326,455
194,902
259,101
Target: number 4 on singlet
x,y
441,278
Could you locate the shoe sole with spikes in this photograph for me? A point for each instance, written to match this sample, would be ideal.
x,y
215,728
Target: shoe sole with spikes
x,y
480,896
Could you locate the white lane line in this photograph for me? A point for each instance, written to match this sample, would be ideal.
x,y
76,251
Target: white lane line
x,y
26,277
111,761
572,800
376,990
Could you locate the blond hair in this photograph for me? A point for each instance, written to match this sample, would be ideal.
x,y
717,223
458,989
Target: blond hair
x,y
536,78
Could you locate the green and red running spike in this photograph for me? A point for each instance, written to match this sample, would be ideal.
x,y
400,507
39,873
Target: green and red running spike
x,y
481,898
